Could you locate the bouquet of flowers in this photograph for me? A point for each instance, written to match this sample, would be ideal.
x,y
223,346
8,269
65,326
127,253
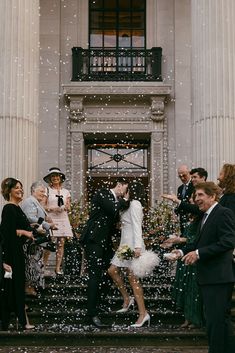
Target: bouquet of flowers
x,y
124,252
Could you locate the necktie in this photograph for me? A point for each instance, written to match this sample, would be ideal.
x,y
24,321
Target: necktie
x,y
203,219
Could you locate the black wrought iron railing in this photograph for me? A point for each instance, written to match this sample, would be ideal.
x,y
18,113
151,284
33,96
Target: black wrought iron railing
x,y
116,64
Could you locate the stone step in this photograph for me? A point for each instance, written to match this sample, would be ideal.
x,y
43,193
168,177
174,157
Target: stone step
x,y
113,302
77,335
65,316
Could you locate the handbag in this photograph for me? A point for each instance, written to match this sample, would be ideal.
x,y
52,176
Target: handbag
x,y
40,238
144,265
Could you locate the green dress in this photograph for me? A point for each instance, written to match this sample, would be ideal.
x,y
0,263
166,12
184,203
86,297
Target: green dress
x,y
186,294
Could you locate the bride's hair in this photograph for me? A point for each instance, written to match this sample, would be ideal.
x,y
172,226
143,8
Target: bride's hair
x,y
137,192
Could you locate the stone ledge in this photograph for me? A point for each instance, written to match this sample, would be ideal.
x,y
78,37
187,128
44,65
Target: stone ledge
x,y
116,88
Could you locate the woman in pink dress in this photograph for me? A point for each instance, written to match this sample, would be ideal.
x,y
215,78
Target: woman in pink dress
x,y
57,207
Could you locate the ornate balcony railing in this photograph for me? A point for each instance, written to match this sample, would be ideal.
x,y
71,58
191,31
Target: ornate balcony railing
x,y
116,64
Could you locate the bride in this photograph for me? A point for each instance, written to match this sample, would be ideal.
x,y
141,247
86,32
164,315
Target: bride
x,y
131,235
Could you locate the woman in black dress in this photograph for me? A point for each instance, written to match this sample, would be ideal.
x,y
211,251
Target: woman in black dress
x,y
15,230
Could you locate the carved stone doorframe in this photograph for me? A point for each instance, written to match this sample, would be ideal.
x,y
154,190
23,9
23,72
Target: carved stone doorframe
x,y
102,108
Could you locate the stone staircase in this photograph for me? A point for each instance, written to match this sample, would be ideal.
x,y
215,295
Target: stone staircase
x,y
59,316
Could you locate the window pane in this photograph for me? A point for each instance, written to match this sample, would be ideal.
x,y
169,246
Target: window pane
x,y
138,39
110,39
97,20
138,4
110,4
124,4
96,39
109,20
96,4
110,159
138,20
124,40
124,20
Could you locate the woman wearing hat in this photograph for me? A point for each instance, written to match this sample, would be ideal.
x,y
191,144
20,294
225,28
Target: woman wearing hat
x,y
57,205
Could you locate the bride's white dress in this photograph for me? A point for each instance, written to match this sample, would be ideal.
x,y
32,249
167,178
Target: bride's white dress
x,y
131,231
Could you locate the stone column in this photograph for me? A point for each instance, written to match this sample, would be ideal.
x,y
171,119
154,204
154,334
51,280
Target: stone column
x,y
213,76
19,42
77,171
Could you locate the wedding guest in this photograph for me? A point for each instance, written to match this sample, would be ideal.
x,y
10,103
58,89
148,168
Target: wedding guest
x,y
57,207
184,192
97,241
131,235
15,230
212,251
34,259
1,262
185,292
226,180
198,175
1,275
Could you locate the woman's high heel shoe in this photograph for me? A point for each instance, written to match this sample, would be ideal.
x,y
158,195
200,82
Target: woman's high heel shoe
x,y
131,303
26,327
146,318
29,327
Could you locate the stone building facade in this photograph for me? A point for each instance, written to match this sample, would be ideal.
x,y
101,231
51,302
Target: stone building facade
x,y
187,117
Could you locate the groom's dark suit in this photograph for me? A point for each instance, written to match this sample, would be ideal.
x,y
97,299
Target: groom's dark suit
x,y
216,274
97,241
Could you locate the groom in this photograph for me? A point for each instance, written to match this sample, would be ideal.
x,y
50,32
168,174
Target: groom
x,y
97,241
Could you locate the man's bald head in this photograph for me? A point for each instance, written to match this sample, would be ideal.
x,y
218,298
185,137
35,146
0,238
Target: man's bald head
x,y
184,173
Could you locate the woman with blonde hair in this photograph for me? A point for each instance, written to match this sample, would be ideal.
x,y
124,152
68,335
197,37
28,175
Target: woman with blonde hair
x,y
57,206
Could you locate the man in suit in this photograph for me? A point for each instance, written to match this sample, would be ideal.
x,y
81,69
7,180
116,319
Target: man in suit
x,y
184,193
198,175
97,241
213,253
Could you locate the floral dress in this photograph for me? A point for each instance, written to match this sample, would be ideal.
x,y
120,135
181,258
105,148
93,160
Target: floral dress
x,y
186,294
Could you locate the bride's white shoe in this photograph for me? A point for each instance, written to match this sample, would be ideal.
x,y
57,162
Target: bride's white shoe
x,y
146,318
131,303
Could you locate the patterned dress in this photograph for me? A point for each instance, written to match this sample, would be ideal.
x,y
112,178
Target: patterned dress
x,y
186,294
34,254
